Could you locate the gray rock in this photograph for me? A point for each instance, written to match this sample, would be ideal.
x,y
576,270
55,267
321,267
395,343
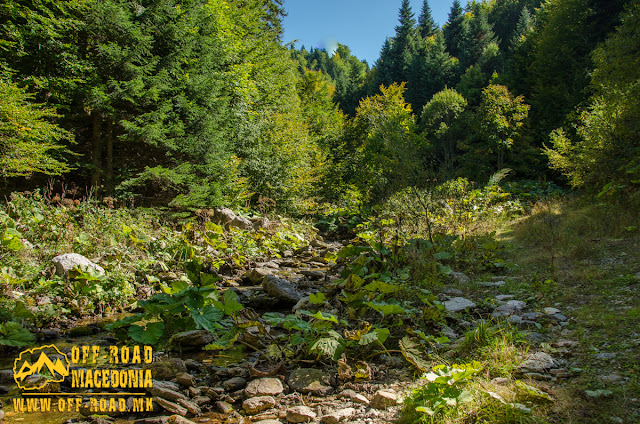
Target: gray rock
x,y
538,362
313,275
337,416
192,365
166,393
300,414
6,376
458,304
459,278
281,289
551,311
190,340
152,420
223,216
504,297
234,384
605,356
492,284
354,397
309,380
185,379
264,387
4,390
611,379
268,422
201,400
384,399
509,308
242,223
261,222
255,275
258,404
68,261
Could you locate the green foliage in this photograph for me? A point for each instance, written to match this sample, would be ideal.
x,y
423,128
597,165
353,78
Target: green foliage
x,y
604,155
29,142
13,334
443,391
501,117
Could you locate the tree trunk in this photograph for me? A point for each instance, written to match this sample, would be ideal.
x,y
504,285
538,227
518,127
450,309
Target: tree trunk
x,y
96,152
109,170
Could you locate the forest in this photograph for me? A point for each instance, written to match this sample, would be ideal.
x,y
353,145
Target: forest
x,y
449,234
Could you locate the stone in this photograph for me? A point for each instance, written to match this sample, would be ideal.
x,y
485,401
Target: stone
x,y
224,407
458,304
264,387
538,362
6,376
300,414
551,311
177,419
604,356
68,261
201,400
261,222
185,379
192,407
234,384
81,331
174,408
258,404
337,416
255,275
283,290
268,422
611,378
152,420
459,278
509,308
1,414
223,216
242,223
492,284
504,297
190,340
313,275
309,380
354,397
4,390
384,399
165,393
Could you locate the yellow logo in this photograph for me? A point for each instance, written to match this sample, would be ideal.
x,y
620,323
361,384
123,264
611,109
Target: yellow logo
x,y
51,371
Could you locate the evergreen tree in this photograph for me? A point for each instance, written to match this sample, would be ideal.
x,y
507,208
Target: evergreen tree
x,y
478,36
426,25
454,29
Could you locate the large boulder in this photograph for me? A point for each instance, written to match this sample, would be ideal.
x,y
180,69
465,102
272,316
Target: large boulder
x,y
458,304
281,289
69,261
225,216
309,380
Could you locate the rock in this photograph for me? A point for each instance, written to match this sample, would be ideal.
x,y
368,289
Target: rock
x,y
177,419
611,378
313,275
255,275
192,365
201,400
281,289
186,379
242,223
6,376
68,261
459,278
268,422
604,356
538,362
504,297
174,408
165,393
492,284
192,407
535,337
152,420
354,397
190,340
509,308
383,399
1,414
337,416
166,370
300,414
309,380
234,384
4,390
258,404
224,407
223,216
261,222
264,387
458,304
81,331
551,311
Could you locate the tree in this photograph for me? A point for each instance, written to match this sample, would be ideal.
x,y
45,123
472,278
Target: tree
x,y
426,25
454,29
606,153
501,117
29,142
386,144
440,121
477,36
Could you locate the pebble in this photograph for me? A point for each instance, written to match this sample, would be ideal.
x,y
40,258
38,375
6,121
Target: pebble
x,y
258,404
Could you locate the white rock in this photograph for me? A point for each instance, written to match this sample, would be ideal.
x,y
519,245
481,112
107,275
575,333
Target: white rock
x,y
384,399
337,416
264,387
300,414
458,304
538,362
258,404
68,261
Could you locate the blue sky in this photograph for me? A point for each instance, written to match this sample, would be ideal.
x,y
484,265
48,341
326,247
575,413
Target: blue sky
x,y
363,25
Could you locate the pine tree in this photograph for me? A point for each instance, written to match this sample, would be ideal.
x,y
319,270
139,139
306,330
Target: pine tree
x,y
426,25
454,29
479,35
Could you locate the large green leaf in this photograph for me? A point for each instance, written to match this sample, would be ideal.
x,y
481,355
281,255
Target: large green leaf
x,y
231,304
413,352
207,318
13,334
149,334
